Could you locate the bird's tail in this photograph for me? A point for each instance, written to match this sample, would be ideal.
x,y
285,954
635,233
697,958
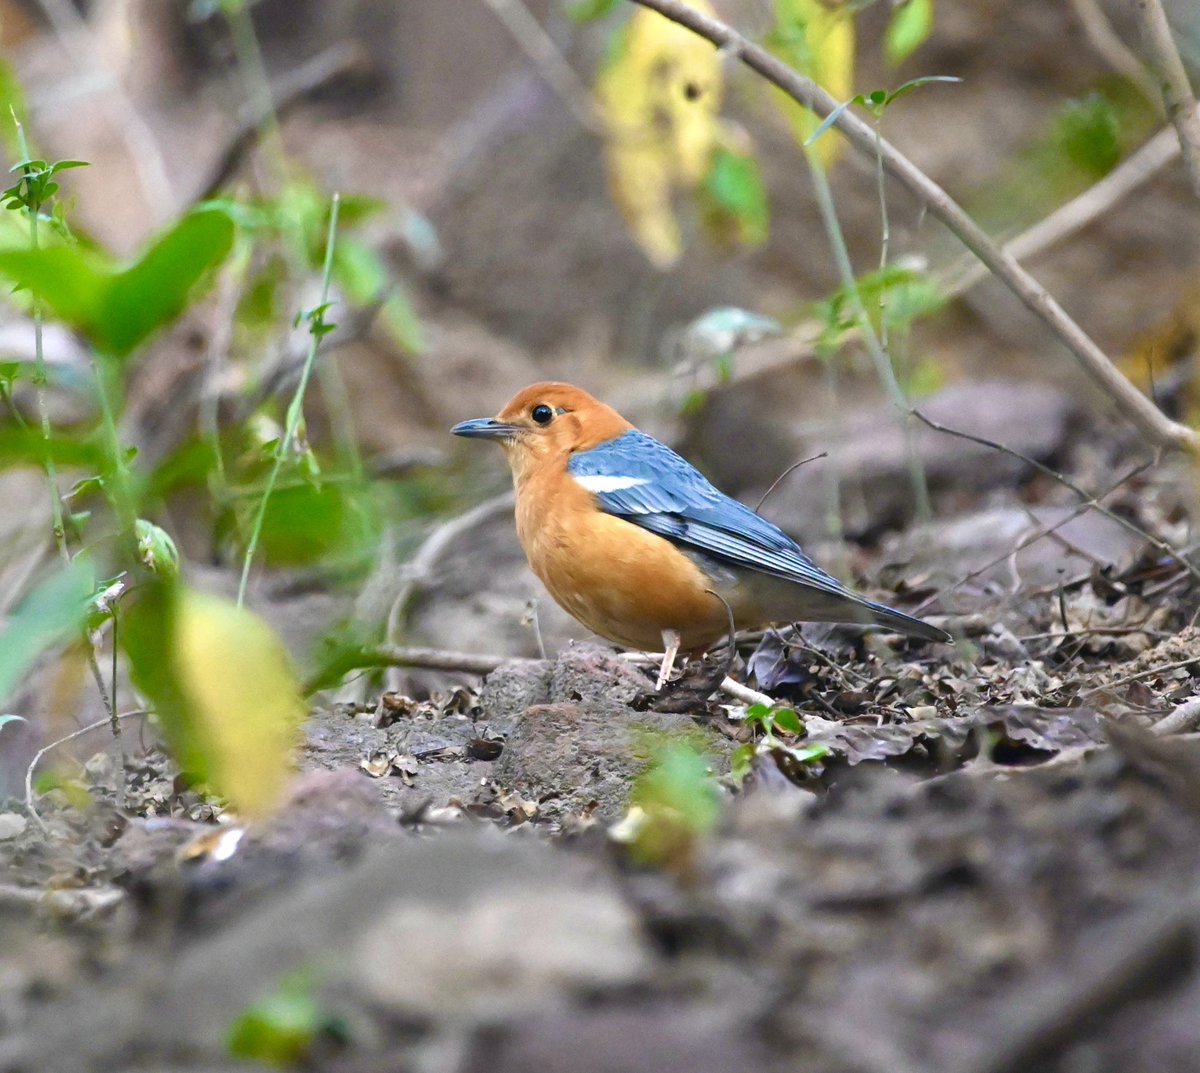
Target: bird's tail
x,y
892,619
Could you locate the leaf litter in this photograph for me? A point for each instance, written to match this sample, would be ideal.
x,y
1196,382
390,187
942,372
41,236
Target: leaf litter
x,y
859,838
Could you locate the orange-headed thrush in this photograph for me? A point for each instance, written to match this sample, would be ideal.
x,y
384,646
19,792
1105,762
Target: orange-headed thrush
x,y
638,546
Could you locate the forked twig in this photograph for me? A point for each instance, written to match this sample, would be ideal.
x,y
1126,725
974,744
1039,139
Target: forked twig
x,y
1172,79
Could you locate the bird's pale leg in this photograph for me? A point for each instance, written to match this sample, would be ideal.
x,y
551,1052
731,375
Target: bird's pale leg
x,y
671,650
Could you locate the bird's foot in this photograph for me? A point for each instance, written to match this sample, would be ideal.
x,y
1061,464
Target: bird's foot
x,y
670,651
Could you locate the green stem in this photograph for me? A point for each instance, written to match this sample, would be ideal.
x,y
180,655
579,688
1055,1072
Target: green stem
x,y
258,84
296,408
41,379
883,366
119,488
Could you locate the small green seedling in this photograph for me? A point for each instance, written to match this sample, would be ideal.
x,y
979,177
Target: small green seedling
x,y
768,720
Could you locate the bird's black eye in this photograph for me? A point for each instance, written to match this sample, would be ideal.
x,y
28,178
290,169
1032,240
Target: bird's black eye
x,y
542,414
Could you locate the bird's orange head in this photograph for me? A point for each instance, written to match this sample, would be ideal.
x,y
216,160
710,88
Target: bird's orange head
x,y
546,423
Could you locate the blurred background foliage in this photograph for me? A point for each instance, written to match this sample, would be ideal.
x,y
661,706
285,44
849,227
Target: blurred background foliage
x,y
577,190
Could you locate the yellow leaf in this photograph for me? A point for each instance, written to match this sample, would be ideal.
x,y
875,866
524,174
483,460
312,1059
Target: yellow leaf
x,y
817,38
223,688
243,696
659,96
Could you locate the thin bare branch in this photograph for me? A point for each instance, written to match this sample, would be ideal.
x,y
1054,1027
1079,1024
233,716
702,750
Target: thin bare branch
x,y
145,154
325,68
549,62
1086,496
1041,534
1153,424
41,754
1150,672
792,468
1073,216
1109,46
1172,79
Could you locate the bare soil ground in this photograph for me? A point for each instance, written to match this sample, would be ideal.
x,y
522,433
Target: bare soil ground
x,y
993,870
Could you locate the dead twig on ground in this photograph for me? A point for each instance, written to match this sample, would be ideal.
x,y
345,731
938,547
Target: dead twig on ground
x,y
1153,424
1183,719
440,659
1150,672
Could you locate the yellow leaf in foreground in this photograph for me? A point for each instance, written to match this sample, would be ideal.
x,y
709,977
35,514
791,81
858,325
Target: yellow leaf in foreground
x,y
241,693
817,38
659,96
222,687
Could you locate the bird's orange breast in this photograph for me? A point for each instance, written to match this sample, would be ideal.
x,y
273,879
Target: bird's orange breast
x,y
619,580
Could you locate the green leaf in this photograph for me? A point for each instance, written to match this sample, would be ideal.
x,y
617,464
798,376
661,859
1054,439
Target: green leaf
x,y
12,102
156,288
280,1029
735,188
787,719
402,322
360,271
119,309
910,26
832,118
156,549
52,611
305,524
806,754
677,801
741,761
1089,134
23,446
71,281
724,330
910,85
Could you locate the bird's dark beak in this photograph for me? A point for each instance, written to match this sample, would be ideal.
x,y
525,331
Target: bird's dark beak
x,y
487,428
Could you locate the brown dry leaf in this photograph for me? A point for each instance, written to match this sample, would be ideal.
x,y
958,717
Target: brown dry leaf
x,y
377,764
659,97
1049,729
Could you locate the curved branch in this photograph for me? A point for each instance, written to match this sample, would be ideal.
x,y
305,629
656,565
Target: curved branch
x,y
1153,424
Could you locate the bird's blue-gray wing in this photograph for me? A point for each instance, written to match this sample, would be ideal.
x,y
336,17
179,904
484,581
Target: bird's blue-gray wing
x,y
637,478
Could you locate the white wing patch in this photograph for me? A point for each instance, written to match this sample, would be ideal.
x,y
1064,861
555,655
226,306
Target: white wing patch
x,y
606,482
